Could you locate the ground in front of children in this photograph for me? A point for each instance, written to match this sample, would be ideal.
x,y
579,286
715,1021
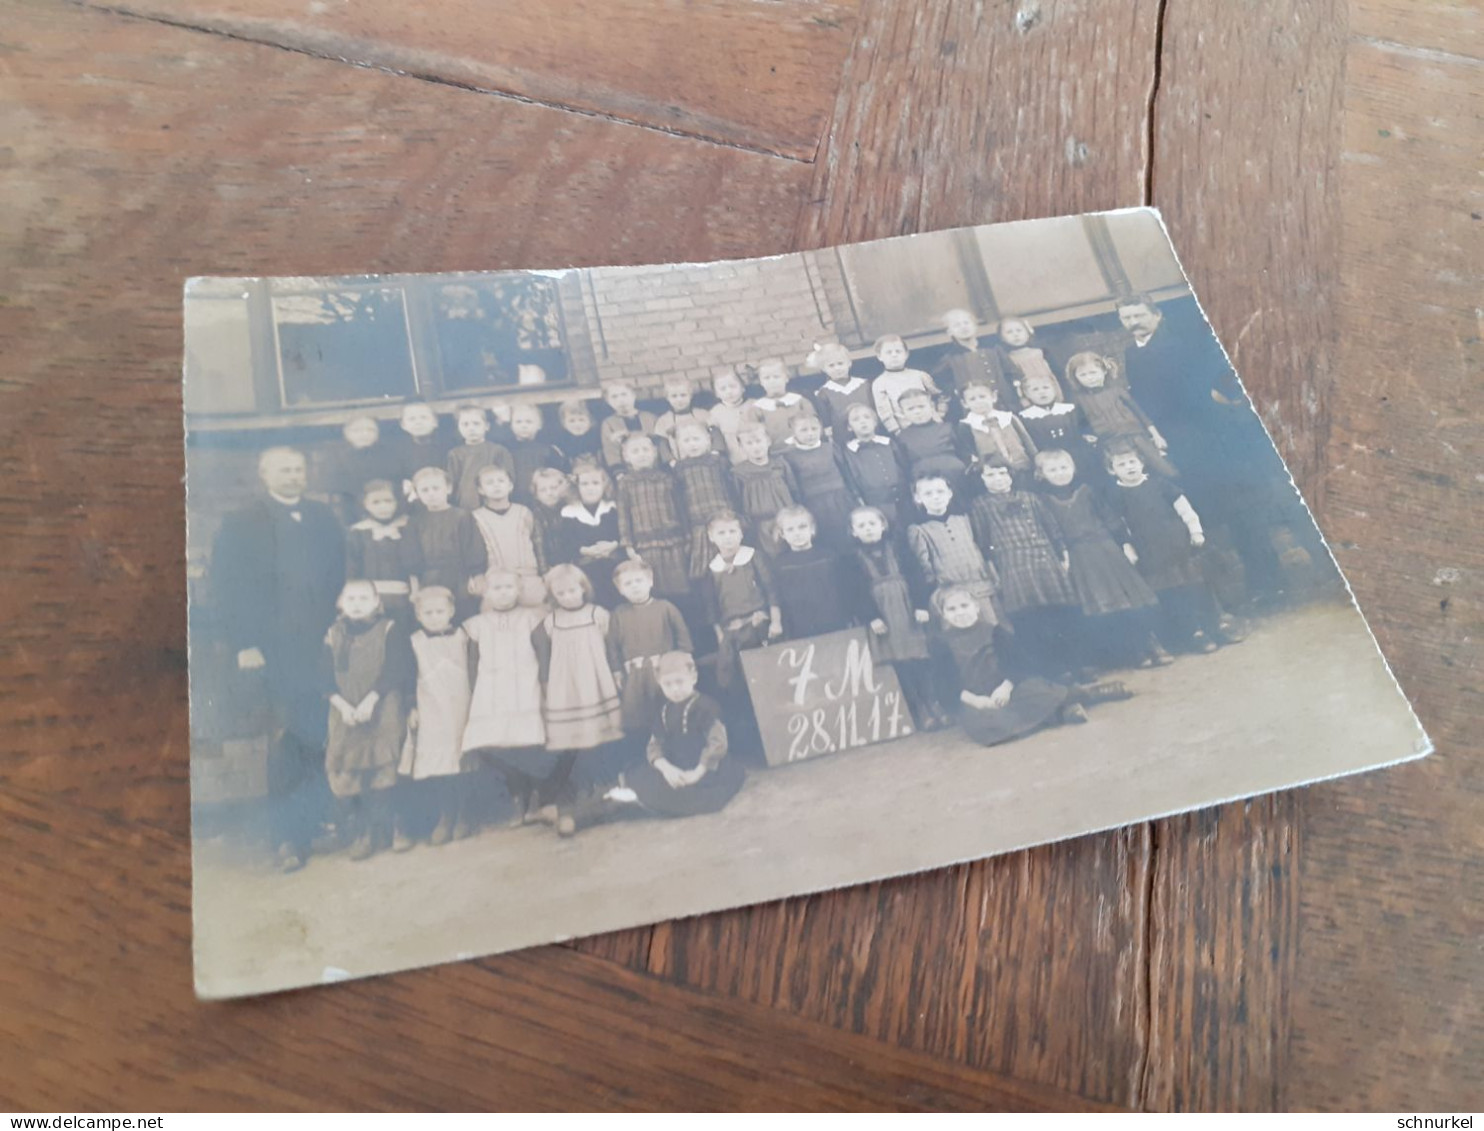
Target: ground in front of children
x,y
1223,725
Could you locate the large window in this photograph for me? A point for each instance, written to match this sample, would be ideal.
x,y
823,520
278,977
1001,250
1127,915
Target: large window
x,y
342,345
504,330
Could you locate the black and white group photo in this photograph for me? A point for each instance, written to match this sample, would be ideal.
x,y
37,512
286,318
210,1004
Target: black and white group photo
x,y
532,605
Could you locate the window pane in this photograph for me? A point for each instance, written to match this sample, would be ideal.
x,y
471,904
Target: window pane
x,y
903,286
343,345
1144,252
499,331
1040,265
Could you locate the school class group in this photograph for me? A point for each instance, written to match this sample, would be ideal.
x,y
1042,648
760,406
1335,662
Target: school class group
x,y
531,614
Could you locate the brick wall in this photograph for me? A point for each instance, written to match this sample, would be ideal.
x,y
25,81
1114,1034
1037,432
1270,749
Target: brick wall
x,y
650,323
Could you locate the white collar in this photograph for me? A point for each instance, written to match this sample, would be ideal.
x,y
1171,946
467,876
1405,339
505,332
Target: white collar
x,y
580,512
1035,411
788,400
849,387
1143,478
980,421
721,565
855,445
380,531
798,447
292,504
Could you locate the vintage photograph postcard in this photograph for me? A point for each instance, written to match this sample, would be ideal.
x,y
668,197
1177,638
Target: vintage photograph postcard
x,y
531,605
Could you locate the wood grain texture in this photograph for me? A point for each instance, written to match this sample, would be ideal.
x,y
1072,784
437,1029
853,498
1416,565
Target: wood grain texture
x,y
1388,1005
1452,26
1317,949
761,76
1252,208
108,1021
953,114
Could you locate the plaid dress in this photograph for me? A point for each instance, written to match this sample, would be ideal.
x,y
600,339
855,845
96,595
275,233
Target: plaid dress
x,y
948,555
650,523
705,489
766,489
1021,538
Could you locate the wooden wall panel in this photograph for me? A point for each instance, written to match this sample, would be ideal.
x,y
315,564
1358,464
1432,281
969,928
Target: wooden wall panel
x,y
760,76
1388,1002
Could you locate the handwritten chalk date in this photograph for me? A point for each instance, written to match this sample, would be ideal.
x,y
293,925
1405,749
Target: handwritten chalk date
x,y
825,730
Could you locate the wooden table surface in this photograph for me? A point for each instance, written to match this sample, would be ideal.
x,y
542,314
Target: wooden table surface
x,y
1317,166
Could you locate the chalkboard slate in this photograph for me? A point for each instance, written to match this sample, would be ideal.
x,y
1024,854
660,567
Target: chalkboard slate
x,y
822,694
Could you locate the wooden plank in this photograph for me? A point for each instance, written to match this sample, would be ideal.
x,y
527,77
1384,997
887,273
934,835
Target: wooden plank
x,y
952,114
968,963
1388,1007
762,76
1224,891
1030,964
1453,26
141,154
100,1015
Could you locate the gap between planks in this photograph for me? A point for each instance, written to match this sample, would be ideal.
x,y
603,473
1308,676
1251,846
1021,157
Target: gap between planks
x,y
437,80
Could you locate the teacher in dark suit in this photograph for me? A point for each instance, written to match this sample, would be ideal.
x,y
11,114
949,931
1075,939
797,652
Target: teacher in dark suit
x,y
1178,373
277,568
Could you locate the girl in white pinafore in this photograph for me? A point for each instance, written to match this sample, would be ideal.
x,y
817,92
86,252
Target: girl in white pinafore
x,y
434,749
506,732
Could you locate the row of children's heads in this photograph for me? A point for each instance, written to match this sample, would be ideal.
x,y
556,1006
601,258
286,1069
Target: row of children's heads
x,y
1088,369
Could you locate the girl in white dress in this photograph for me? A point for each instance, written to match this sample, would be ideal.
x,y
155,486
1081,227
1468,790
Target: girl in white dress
x,y
506,732
433,753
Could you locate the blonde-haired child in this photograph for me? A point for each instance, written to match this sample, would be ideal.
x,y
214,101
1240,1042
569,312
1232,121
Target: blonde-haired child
x,y
379,549
509,532
840,391
530,449
651,524
873,464
1117,603
627,419
813,583
588,535
706,488
642,628
1025,359
477,452
432,756
778,407
887,389
452,549
581,707
765,483
970,359
680,396
897,622
988,432
943,543
731,411
506,731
